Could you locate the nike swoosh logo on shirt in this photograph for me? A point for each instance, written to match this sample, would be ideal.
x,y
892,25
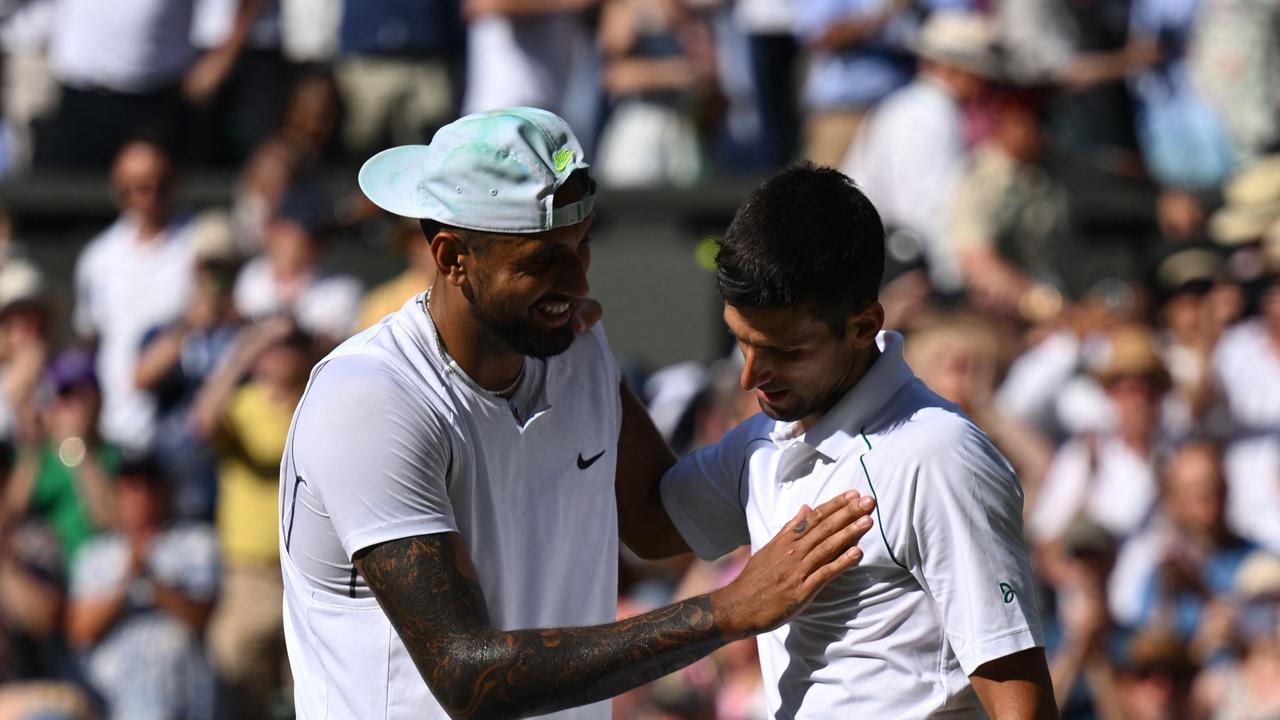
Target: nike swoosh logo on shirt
x,y
584,464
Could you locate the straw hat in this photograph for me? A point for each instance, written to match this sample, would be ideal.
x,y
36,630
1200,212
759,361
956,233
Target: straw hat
x,y
1131,350
960,39
1252,206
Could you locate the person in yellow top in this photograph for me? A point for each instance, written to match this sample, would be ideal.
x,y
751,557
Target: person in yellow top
x,y
391,295
248,424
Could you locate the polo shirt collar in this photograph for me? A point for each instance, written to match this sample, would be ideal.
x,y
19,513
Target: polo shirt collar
x,y
840,428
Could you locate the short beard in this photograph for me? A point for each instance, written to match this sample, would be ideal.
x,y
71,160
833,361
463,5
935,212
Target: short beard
x,y
519,334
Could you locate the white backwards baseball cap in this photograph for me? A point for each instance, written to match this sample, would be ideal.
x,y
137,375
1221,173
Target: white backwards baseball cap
x,y
495,171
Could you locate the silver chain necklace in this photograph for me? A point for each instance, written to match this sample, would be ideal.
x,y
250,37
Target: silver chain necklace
x,y
449,363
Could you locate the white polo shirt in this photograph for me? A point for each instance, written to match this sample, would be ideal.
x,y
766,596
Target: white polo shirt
x,y
945,583
125,287
387,443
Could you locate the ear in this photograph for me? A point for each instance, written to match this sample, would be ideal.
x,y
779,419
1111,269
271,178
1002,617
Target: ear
x,y
860,330
448,251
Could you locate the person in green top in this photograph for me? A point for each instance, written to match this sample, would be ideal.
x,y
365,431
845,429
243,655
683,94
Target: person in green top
x,y
63,473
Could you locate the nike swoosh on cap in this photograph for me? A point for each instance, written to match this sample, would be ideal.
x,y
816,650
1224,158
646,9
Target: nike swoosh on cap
x,y
584,464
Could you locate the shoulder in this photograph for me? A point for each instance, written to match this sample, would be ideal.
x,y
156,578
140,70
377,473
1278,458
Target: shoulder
x,y
939,439
100,246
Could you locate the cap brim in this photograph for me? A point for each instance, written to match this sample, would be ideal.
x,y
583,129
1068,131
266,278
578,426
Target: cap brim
x,y
392,180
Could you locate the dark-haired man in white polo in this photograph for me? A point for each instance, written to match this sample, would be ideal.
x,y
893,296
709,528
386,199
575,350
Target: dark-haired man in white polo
x,y
940,618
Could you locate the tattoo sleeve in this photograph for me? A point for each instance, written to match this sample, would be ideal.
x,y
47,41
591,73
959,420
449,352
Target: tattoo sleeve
x,y
433,600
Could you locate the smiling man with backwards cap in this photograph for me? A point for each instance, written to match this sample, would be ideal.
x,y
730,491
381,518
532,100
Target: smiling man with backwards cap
x,y
449,478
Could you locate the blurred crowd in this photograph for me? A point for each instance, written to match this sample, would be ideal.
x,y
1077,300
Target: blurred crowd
x,y
1082,200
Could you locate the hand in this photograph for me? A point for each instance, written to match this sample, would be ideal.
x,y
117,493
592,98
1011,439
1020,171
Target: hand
x,y
207,75
780,580
586,313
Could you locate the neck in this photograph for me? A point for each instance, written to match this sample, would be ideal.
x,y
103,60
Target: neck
x,y
484,358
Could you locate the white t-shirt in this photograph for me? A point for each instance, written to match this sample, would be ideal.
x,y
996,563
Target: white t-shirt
x,y
908,160
1246,369
1252,469
326,304
1104,480
124,288
214,20
945,583
524,61
127,46
386,443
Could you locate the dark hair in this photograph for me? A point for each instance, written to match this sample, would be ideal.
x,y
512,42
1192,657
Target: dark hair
x,y
805,238
478,241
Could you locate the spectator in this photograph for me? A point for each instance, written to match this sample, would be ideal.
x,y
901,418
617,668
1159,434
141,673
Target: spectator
x,y
25,341
1234,61
398,70
140,600
249,424
38,677
1008,221
290,159
1249,687
1154,676
1183,565
659,73
386,298
63,474
1084,682
525,52
1182,139
236,88
29,94
134,276
1109,476
119,66
858,55
773,53
911,154
178,358
290,277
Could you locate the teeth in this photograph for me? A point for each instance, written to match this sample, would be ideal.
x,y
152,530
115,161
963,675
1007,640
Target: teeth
x,y
555,309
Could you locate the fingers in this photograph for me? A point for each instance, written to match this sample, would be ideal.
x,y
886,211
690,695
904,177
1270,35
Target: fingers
x,y
840,517
824,574
839,542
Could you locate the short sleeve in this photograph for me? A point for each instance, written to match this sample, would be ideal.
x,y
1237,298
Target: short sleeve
x,y
83,320
98,568
372,448
702,495
971,556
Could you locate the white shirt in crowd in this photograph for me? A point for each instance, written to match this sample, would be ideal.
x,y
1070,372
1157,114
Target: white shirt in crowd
x,y
327,304
525,61
126,286
908,160
1252,469
1246,369
125,46
214,20
945,583
765,17
1102,479
391,440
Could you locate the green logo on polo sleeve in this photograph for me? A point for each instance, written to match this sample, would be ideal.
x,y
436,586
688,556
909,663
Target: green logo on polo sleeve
x,y
562,158
1008,592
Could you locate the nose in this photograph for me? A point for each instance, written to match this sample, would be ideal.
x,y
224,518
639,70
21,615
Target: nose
x,y
755,372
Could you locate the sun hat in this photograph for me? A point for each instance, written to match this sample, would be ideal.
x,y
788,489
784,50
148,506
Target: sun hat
x,y
494,171
961,39
1252,206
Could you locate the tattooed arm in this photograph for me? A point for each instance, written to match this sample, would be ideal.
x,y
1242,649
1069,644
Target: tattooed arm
x,y
428,589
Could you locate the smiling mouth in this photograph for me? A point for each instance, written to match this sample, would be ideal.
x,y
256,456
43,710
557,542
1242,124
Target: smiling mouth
x,y
554,313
